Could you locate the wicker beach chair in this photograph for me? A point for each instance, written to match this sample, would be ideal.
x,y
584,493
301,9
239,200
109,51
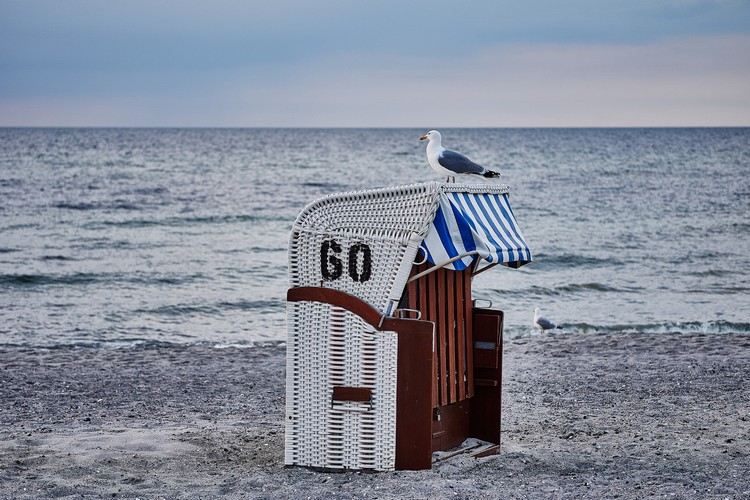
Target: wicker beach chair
x,y
385,352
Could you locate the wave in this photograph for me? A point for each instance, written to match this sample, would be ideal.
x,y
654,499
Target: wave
x,y
56,258
700,256
213,309
717,273
667,327
110,244
145,191
77,206
251,305
48,279
686,327
187,221
116,205
536,210
178,310
561,261
12,182
146,343
697,327
14,227
252,249
8,250
597,287
720,290
166,280
33,280
250,345
572,288
325,185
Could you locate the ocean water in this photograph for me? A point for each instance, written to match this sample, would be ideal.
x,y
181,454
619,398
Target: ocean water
x,y
115,236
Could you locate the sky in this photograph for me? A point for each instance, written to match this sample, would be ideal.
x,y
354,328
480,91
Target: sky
x,y
408,63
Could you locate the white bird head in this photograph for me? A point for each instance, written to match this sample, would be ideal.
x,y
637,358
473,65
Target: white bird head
x,y
432,135
537,312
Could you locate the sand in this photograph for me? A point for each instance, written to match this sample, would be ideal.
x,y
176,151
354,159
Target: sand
x,y
584,416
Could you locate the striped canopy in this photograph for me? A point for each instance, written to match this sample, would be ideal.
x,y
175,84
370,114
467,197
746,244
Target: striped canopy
x,y
470,226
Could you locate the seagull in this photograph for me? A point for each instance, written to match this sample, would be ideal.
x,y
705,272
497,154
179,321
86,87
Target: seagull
x,y
543,323
449,163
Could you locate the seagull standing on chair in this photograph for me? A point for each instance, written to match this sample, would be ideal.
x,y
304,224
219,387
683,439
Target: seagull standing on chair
x,y
449,163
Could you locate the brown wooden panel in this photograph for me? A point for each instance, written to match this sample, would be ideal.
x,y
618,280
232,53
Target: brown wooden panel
x,y
450,302
453,426
486,403
444,297
439,284
449,305
429,311
461,333
485,358
413,402
413,297
469,342
342,393
486,333
486,327
424,307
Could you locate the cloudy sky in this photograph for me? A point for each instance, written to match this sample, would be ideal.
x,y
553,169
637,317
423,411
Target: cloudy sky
x,y
376,63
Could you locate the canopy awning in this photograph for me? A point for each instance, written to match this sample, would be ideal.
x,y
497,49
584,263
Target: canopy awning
x,y
470,226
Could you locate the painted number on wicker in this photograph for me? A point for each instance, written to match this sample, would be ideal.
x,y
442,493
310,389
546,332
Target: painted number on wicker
x,y
332,268
354,252
330,264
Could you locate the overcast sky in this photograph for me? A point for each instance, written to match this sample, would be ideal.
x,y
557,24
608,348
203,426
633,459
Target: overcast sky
x,y
376,63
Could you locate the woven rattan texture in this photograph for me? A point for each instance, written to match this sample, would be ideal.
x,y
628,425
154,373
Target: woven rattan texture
x,y
339,350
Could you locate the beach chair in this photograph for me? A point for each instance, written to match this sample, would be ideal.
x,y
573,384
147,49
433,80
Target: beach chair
x,y
388,359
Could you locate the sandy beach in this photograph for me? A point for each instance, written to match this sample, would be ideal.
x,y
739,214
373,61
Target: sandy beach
x,y
584,416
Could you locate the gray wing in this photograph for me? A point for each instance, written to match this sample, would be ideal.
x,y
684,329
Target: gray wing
x,y
545,323
459,163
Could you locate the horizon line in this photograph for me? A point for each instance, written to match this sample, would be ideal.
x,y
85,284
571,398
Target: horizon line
x,y
363,127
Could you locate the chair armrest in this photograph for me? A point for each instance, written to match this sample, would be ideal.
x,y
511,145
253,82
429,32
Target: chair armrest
x,y
364,310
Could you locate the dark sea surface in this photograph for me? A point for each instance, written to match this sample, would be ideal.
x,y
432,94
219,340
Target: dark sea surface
x,y
115,236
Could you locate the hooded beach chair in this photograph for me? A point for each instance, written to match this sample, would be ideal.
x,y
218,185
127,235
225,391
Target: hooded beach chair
x,y
388,359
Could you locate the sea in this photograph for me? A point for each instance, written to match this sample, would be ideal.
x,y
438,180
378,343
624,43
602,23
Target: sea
x,y
123,236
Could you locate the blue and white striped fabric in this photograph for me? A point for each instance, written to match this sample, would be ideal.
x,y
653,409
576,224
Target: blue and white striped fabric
x,y
481,223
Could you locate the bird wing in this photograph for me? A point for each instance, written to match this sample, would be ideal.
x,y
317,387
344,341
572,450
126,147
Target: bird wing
x,y
545,323
458,163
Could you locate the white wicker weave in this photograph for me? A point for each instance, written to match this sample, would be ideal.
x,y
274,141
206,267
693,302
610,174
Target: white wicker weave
x,y
329,346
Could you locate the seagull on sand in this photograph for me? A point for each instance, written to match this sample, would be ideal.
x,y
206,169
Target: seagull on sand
x,y
543,323
449,163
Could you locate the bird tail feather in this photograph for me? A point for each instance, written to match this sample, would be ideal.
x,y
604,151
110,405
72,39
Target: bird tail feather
x,y
491,174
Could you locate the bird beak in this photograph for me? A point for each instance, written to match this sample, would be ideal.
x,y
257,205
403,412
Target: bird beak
x,y
423,138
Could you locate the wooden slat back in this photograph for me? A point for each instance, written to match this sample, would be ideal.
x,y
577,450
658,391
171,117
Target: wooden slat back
x,y
450,327
461,314
468,314
444,297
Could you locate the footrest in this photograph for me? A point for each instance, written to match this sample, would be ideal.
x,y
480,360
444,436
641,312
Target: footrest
x,y
486,382
472,447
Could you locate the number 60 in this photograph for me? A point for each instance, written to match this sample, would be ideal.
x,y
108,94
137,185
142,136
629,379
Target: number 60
x,y
331,266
